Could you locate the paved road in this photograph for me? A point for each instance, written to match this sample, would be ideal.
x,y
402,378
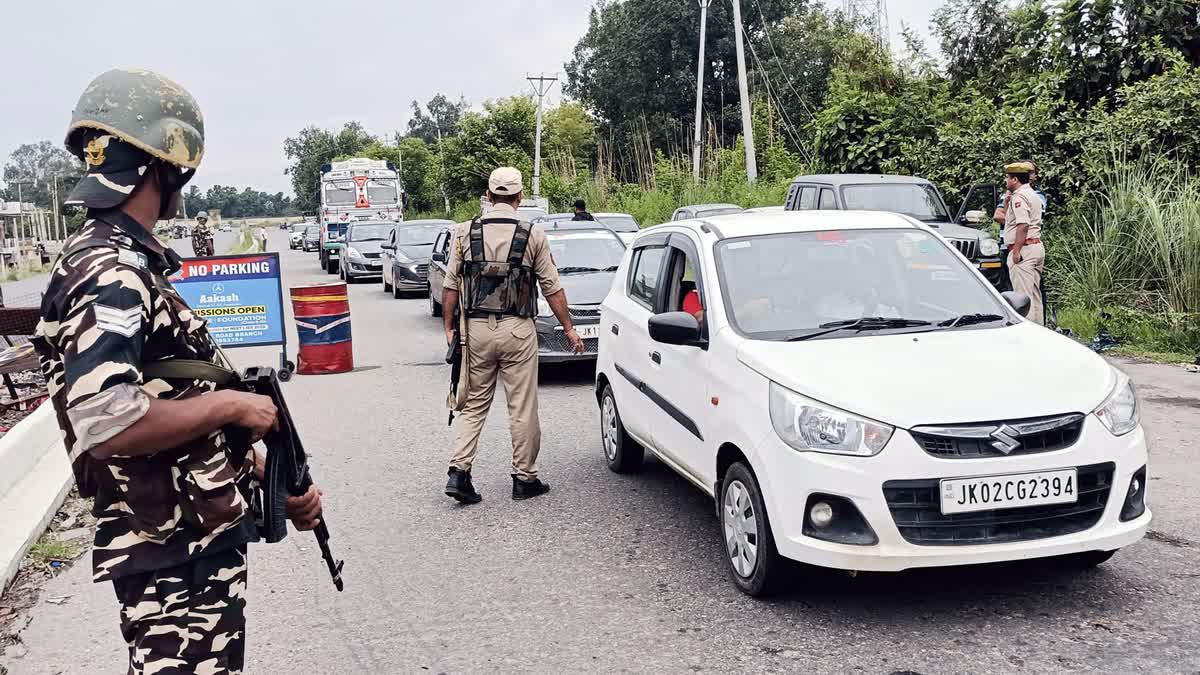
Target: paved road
x,y
613,573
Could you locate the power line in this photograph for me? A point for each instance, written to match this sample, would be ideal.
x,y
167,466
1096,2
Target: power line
x,y
789,127
778,61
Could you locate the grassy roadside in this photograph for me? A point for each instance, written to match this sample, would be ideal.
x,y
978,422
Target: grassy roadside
x,y
244,244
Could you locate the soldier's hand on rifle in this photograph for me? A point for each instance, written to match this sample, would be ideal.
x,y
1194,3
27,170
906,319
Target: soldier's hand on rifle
x,y
575,340
449,337
304,511
256,413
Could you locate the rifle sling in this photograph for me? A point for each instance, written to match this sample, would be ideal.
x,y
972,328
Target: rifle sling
x,y
189,369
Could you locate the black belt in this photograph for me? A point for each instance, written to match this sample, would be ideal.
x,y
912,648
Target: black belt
x,y
483,314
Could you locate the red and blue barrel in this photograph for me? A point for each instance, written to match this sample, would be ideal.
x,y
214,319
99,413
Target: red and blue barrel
x,y
322,313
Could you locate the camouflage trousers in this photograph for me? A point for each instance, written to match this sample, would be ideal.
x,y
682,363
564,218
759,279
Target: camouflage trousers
x,y
186,619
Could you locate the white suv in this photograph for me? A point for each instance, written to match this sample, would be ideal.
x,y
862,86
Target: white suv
x,y
825,377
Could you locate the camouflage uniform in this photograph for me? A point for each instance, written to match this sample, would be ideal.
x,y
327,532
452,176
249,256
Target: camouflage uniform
x,y
172,527
200,236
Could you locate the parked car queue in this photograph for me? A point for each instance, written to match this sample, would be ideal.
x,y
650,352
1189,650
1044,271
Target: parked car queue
x,y
813,371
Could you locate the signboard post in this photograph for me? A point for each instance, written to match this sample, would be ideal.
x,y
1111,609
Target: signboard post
x,y
241,298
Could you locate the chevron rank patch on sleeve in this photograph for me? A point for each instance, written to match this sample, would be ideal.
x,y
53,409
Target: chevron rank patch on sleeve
x,y
125,322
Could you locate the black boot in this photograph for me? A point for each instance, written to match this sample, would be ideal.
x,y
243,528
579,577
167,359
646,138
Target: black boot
x,y
459,486
528,489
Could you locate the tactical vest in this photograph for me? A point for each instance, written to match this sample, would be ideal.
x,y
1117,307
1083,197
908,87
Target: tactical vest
x,y
494,288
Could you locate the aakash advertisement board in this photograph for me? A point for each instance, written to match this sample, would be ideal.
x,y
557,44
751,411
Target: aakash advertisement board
x,y
241,297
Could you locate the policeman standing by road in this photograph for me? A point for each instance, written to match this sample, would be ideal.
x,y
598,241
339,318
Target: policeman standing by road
x,y
201,235
172,498
495,263
1023,237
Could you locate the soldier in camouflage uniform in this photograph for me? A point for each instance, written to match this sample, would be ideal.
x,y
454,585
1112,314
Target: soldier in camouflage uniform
x,y
202,236
172,498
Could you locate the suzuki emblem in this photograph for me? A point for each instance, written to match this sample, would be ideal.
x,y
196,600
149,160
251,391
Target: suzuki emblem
x,y
1005,439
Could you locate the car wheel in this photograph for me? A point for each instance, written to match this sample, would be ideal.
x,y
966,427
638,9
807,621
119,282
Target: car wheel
x,y
396,292
750,552
435,307
621,452
1084,560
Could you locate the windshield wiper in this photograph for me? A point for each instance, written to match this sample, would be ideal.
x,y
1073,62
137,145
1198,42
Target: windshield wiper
x,y
572,270
969,319
865,323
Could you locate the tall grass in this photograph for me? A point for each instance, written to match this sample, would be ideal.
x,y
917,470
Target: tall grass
x,y
1138,243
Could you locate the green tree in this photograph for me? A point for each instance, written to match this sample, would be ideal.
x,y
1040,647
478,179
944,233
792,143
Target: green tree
x,y
439,114
35,166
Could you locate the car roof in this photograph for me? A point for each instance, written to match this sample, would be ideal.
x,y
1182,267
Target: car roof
x,y
708,207
858,179
753,224
427,221
554,231
612,215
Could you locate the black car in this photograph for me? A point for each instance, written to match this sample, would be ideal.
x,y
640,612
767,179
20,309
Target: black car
x,y
312,238
406,255
362,250
587,261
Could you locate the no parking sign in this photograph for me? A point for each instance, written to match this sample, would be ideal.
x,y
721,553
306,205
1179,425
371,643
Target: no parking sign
x,y
240,296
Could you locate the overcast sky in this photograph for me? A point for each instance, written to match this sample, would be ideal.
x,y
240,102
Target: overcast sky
x,y
263,70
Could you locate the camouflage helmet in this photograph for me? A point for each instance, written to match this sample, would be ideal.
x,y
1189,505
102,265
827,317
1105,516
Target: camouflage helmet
x,y
143,109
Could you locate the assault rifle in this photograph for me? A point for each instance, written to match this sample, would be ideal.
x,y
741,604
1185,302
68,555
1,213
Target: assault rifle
x,y
287,470
454,357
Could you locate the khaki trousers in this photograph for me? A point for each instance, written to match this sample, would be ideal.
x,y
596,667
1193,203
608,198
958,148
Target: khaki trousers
x,y
1026,278
506,348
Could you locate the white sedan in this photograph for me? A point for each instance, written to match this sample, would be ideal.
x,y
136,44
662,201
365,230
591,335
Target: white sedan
x,y
826,378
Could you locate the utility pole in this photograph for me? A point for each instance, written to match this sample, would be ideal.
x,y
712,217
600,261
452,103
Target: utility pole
x,y
744,91
445,195
700,91
541,85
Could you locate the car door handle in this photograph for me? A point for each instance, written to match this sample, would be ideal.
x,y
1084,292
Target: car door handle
x,y
656,357
616,330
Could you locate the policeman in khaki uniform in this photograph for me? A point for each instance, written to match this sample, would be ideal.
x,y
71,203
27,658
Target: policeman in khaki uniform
x,y
1023,237
497,262
172,497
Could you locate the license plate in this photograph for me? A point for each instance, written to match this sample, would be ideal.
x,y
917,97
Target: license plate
x,y
986,493
585,332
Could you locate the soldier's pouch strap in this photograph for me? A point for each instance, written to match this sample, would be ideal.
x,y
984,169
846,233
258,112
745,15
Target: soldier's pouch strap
x,y
476,239
189,369
516,248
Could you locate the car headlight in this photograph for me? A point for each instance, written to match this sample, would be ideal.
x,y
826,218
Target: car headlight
x,y
1119,412
544,308
403,259
808,425
989,247
354,254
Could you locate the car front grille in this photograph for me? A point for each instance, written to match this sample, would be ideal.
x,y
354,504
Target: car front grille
x,y
584,311
971,441
372,256
423,271
556,342
968,247
916,509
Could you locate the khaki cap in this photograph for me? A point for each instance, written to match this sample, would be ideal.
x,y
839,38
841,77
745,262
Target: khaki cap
x,y
1019,167
505,181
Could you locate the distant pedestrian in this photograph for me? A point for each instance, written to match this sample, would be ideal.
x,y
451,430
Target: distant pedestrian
x,y
1023,237
262,239
581,212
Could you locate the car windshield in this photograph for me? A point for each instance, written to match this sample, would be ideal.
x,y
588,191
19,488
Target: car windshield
x,y
619,223
911,199
313,230
381,192
411,235
370,232
784,286
595,251
339,193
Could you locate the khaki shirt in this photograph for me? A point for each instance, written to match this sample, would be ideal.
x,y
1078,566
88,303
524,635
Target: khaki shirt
x,y
1024,208
497,238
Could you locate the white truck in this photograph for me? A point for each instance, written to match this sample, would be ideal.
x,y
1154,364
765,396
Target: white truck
x,y
353,190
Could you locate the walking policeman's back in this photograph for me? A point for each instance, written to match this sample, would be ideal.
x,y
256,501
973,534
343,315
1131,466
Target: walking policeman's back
x,y
497,264
171,497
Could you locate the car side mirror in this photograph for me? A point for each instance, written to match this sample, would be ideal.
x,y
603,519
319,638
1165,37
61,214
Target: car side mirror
x,y
675,328
388,247
975,217
1019,301
439,256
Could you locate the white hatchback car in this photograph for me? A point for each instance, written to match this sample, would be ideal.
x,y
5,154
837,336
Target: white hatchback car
x,y
819,374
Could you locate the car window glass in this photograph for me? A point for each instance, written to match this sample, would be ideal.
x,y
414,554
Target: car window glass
x,y
776,286
981,198
643,283
912,199
807,198
828,200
